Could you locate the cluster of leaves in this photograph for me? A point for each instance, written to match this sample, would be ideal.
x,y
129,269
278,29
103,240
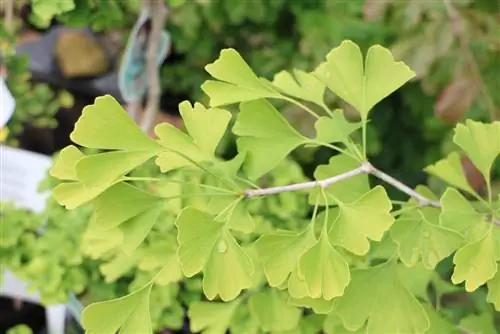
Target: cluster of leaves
x,y
36,103
356,265
272,35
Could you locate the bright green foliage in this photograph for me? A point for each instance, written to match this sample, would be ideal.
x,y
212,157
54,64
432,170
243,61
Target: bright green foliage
x,y
420,238
46,9
129,314
362,85
481,323
237,83
272,311
362,220
253,250
377,296
481,143
450,170
494,290
265,136
20,329
301,85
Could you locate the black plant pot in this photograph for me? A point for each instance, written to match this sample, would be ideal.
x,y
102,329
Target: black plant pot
x,y
29,314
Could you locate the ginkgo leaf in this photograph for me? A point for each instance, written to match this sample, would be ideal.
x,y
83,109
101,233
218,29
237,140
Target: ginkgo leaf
x,y
318,305
416,279
95,245
297,286
265,136
128,314
155,254
494,291
347,190
136,229
300,84
120,203
324,270
439,325
228,271
419,239
376,297
90,169
478,323
239,219
211,317
272,311
206,127
333,325
362,86
65,164
279,252
106,125
368,218
481,143
197,236
237,83
450,170
118,266
458,214
335,129
73,194
476,263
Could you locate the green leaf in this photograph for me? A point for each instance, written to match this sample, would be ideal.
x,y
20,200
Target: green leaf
x,y
73,194
20,329
210,317
96,244
279,252
376,295
128,314
90,169
318,305
205,126
106,125
120,203
421,240
204,244
348,190
265,136
136,229
362,86
450,170
335,129
273,312
47,9
439,325
480,323
228,271
481,143
324,270
476,263
64,167
458,214
237,83
416,279
494,290
368,218
118,266
197,236
333,325
300,84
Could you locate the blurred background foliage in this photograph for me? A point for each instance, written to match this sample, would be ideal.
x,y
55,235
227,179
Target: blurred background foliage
x,y
452,45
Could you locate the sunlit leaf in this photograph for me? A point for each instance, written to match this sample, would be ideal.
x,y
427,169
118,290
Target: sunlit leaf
x,y
362,85
318,305
300,84
324,270
478,323
64,167
439,325
279,252
450,170
374,296
481,143
335,129
211,317
128,314
106,125
237,83
368,218
272,311
494,290
265,136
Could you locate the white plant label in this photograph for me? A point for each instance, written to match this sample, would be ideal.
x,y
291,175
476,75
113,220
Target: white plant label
x,y
7,103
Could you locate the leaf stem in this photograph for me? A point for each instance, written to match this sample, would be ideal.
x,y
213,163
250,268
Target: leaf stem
x,y
336,148
303,106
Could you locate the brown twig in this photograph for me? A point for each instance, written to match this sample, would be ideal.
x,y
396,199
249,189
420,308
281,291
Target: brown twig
x,y
463,40
158,13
